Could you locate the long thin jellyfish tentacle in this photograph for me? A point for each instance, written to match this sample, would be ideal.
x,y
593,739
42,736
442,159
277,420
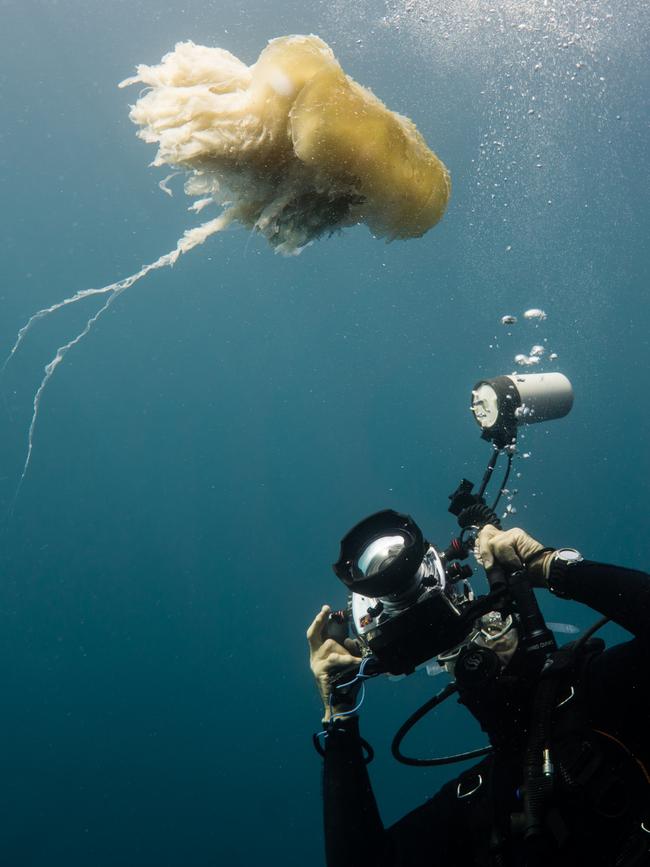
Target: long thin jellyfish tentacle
x,y
191,238
41,314
50,367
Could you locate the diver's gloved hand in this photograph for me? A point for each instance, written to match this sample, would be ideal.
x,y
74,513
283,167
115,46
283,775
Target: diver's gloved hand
x,y
327,658
510,550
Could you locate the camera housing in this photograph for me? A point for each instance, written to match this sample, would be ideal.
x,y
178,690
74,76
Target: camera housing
x,y
405,606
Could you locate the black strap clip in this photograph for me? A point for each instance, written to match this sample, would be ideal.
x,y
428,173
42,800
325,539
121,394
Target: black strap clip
x,y
334,728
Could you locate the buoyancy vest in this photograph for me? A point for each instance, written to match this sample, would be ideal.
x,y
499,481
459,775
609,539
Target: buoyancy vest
x,y
594,805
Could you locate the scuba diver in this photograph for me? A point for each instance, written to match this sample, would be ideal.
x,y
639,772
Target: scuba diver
x,y
565,780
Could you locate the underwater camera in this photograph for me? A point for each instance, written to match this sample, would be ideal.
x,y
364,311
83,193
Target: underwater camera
x,y
410,601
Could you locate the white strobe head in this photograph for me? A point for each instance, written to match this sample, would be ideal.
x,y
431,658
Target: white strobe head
x,y
501,404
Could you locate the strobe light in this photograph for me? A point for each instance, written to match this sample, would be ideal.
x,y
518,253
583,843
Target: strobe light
x,y
403,607
501,404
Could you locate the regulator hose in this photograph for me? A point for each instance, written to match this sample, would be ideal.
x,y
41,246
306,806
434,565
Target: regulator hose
x,y
404,729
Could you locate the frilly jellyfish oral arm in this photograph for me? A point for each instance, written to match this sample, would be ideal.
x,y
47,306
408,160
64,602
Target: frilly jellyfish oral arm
x,y
163,185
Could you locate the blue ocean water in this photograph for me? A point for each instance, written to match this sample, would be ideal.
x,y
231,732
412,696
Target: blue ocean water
x,y
199,456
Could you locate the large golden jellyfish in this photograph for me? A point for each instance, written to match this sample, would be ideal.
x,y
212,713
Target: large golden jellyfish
x,y
290,147
295,144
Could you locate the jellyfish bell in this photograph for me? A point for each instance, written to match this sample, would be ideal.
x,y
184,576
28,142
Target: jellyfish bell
x,y
290,147
348,134
297,146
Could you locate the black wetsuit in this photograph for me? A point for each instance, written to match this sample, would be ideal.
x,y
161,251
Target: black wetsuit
x,y
613,690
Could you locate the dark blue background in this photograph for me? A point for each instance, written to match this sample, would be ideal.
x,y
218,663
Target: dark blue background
x,y
198,457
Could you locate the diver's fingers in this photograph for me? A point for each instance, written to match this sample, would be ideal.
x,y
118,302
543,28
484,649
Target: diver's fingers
x,y
505,548
339,661
506,554
484,546
315,633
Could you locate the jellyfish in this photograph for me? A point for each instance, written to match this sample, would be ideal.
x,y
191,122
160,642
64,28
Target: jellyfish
x,y
290,147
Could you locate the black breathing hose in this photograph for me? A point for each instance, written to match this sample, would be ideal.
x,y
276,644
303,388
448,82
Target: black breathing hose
x,y
538,772
488,473
503,483
406,727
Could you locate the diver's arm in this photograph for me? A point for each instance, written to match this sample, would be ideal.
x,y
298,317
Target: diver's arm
x,y
354,832
621,594
429,836
616,681
353,829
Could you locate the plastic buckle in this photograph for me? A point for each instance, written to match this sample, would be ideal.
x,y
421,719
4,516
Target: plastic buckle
x,y
566,700
460,794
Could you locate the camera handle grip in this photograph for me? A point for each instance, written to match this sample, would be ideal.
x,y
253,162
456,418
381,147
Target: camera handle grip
x,y
535,636
497,578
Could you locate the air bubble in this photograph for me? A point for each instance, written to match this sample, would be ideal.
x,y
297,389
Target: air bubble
x,y
535,313
526,360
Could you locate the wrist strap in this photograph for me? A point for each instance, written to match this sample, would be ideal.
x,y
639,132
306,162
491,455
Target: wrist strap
x,y
535,557
334,729
556,575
